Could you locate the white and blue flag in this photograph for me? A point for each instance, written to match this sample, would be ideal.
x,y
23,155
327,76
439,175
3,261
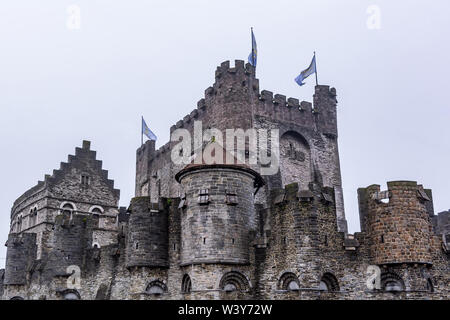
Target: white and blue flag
x,y
148,133
307,72
254,54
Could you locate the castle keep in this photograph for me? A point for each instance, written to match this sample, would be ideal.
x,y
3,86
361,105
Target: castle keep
x,y
225,230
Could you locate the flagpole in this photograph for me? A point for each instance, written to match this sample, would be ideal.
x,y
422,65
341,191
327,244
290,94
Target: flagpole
x,y
315,62
142,128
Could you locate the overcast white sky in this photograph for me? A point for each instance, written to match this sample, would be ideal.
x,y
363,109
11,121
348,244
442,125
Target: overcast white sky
x,y
59,86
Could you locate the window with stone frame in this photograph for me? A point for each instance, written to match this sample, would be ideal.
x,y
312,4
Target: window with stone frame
x,y
203,197
156,287
33,217
328,282
85,180
289,282
67,209
231,197
186,285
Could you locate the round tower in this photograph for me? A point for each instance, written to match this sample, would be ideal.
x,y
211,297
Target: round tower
x,y
20,255
147,243
397,223
218,212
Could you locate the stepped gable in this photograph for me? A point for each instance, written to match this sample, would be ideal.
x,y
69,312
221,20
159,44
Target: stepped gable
x,y
199,163
82,155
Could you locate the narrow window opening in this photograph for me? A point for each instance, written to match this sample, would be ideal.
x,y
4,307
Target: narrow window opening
x,y
85,180
203,197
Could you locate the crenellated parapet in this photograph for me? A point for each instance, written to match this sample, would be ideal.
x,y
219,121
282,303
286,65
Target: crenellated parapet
x,y
397,222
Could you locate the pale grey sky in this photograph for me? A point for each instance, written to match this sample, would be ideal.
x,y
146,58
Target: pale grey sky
x,y
155,58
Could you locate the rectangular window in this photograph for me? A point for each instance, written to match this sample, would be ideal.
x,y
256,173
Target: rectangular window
x,y
85,180
231,198
203,197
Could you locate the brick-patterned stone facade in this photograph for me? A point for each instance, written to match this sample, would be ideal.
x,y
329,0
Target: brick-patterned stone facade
x,y
400,230
227,231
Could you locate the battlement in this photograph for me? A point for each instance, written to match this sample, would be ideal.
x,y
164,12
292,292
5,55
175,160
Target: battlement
x,y
238,84
291,193
397,222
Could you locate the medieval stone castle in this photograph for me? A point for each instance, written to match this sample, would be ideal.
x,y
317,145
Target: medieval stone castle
x,y
225,231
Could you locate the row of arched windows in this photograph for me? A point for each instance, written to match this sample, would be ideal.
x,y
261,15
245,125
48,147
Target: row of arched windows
x,y
289,282
236,281
66,208
230,282
390,282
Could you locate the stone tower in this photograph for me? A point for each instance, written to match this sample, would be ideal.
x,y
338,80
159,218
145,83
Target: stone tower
x,y
399,228
218,212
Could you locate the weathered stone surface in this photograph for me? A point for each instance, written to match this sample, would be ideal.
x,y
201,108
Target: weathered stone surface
x,y
289,241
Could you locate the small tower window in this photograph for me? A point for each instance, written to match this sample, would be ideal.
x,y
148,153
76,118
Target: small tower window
x,y
204,240
203,197
382,239
136,245
85,180
231,198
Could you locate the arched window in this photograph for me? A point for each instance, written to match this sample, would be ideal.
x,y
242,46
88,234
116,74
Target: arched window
x,y
392,282
96,210
156,287
328,282
67,208
16,298
71,295
186,285
234,281
289,281
295,160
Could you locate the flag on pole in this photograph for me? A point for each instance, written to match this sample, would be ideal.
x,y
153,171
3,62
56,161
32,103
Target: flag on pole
x,y
307,72
253,55
147,131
